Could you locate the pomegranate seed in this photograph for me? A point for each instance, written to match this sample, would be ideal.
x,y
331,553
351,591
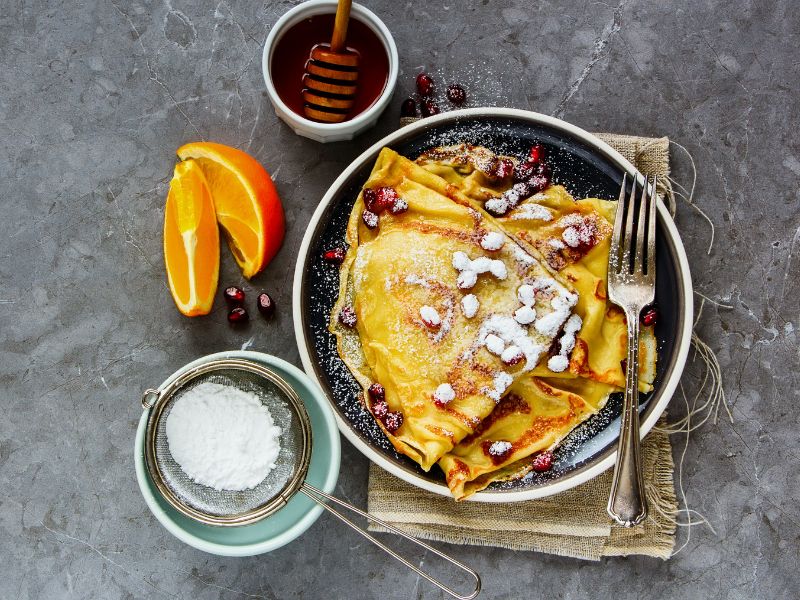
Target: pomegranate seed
x,y
399,207
513,359
370,219
429,107
536,154
498,211
541,170
392,421
347,316
503,168
377,392
499,450
369,196
234,295
650,317
518,192
523,171
385,198
424,84
543,461
456,94
380,410
237,315
430,317
537,184
334,255
266,305
408,108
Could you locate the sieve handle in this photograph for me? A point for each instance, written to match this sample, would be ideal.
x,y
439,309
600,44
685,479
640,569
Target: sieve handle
x,y
312,492
145,398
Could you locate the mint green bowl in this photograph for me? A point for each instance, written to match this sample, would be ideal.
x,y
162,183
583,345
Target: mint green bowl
x,y
289,522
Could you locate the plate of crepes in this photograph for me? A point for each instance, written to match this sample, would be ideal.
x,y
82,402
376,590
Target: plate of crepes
x,y
450,299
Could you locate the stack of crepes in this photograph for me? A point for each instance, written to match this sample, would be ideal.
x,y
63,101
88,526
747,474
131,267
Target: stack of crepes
x,y
524,344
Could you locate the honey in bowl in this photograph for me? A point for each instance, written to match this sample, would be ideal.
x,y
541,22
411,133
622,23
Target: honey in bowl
x,y
293,49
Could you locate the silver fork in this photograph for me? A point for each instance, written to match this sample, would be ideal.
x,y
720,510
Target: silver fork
x,y
631,285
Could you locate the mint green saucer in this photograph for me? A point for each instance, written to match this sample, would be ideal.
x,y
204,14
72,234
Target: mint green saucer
x,y
292,520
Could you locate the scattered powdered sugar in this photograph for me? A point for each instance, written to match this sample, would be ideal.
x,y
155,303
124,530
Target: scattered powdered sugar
x,y
470,269
502,381
558,363
447,322
500,448
571,220
561,304
507,329
429,316
526,294
523,257
556,243
444,394
532,212
415,280
222,437
470,305
481,264
492,393
572,237
511,355
498,269
571,328
461,262
525,315
494,344
492,241
467,280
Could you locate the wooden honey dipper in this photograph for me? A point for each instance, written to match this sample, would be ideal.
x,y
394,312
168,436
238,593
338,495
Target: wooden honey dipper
x,y
331,74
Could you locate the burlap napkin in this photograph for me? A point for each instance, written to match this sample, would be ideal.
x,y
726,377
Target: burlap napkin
x,y
573,523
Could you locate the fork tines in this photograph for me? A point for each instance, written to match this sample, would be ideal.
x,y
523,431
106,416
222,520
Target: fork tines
x,y
636,214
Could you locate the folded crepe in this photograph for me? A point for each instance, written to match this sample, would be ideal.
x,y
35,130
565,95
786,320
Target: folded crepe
x,y
437,292
492,337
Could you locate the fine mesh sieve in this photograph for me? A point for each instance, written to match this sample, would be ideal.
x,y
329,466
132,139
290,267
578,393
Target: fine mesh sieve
x,y
229,508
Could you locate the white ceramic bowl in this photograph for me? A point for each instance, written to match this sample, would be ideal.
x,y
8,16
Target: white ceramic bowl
x,y
329,132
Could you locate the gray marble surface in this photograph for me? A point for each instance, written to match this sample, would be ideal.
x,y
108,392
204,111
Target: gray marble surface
x,y
95,98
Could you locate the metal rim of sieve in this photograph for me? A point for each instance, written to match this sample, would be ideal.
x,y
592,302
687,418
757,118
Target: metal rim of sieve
x,y
158,400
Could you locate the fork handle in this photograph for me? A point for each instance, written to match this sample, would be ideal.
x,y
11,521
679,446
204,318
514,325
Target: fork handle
x,y
627,504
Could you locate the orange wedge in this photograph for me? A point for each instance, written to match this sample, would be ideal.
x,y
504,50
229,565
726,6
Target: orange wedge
x,y
247,204
191,240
